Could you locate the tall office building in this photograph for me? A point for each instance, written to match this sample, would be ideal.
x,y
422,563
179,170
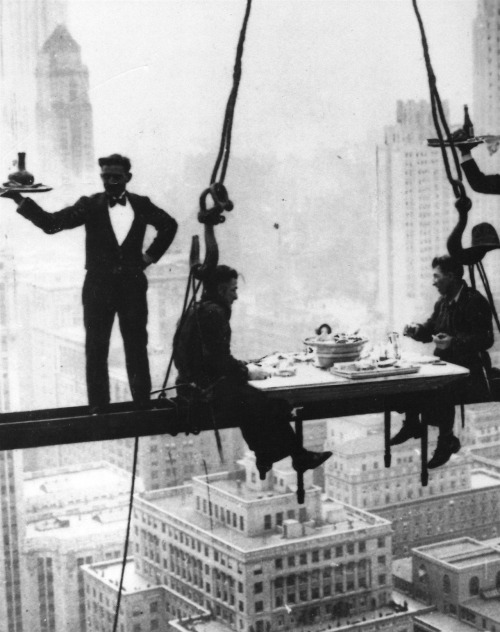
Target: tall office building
x,y
63,111
75,516
485,115
486,57
24,27
416,213
244,550
12,577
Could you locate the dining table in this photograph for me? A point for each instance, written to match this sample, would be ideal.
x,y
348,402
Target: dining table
x,y
321,393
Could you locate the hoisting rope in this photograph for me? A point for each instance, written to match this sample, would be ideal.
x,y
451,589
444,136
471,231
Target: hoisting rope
x,y
218,192
209,217
463,203
227,128
127,536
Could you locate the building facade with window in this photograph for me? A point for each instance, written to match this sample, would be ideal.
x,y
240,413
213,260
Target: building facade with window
x,y
245,550
462,578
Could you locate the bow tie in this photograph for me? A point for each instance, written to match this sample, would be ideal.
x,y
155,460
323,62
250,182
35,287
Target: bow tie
x,y
121,200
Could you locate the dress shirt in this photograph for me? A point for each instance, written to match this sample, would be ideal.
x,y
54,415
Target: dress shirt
x,y
121,219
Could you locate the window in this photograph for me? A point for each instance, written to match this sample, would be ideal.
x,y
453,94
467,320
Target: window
x,y
278,563
257,587
474,586
291,560
267,522
303,558
259,606
446,584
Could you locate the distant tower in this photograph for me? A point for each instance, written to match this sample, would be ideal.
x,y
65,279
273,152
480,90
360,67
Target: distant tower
x,y
63,110
24,26
416,212
486,51
485,114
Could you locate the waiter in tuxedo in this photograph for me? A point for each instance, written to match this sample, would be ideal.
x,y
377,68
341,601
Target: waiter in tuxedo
x,y
115,223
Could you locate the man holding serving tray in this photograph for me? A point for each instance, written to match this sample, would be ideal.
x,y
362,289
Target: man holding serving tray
x,y
461,328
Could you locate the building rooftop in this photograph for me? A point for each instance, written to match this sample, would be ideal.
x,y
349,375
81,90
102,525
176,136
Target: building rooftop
x,y
80,525
483,478
80,479
403,568
442,622
110,572
205,624
337,518
488,608
461,553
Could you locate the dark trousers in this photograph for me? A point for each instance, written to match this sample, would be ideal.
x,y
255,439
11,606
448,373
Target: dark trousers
x,y
264,422
104,295
438,409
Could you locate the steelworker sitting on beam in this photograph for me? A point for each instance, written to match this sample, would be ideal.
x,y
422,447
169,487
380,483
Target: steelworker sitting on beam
x,y
202,355
461,328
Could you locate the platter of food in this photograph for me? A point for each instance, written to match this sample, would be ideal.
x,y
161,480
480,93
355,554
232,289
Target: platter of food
x,y
364,370
331,348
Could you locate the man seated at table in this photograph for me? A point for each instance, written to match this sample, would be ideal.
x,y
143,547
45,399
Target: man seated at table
x,y
461,328
202,355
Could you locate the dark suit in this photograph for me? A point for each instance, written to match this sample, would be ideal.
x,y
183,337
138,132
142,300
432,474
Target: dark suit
x,y
115,283
479,181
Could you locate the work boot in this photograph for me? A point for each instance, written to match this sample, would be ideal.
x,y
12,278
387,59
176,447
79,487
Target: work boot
x,y
446,446
409,430
307,460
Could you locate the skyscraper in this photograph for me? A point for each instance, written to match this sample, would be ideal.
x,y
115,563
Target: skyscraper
x,y
486,55
416,213
24,26
63,110
11,502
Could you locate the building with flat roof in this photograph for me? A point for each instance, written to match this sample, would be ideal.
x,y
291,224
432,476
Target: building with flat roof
x,y
144,606
55,549
245,550
461,578
75,489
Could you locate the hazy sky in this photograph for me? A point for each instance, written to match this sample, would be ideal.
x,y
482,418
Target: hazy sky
x,y
316,72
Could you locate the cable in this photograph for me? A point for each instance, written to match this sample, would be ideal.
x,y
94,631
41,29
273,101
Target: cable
x,y
225,142
438,115
127,536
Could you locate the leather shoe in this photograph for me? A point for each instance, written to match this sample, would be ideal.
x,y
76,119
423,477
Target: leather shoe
x,y
408,431
263,468
307,460
445,448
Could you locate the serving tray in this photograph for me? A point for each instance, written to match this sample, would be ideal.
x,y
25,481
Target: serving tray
x,y
31,188
364,374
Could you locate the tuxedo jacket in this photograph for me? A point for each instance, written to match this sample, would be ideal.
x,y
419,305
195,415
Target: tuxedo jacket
x,y
103,252
479,181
